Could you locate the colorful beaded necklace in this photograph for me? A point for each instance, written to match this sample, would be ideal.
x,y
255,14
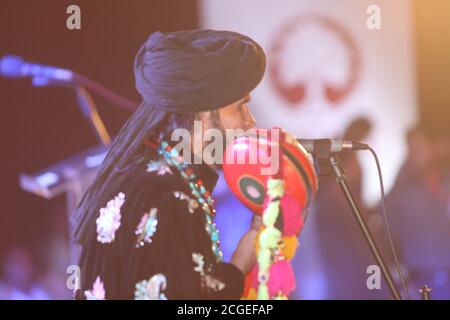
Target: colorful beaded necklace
x,y
203,196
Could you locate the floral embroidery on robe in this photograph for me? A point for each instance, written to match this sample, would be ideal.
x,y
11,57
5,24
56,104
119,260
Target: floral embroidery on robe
x,y
109,219
97,292
160,167
208,281
151,289
192,203
147,227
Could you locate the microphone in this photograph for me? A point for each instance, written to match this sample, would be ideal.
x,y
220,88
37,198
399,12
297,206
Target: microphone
x,y
12,66
331,145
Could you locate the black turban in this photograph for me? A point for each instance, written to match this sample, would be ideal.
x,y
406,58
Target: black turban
x,y
197,70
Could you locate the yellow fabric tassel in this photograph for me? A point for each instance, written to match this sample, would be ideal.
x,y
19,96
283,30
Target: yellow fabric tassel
x,y
290,247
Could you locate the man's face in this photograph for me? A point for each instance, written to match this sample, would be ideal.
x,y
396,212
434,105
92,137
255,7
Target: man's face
x,y
236,115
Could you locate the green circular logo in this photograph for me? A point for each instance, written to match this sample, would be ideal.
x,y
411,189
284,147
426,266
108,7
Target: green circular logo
x,y
252,189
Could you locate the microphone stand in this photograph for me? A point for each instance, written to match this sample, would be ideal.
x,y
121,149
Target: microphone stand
x,y
12,66
85,102
329,164
90,112
88,107
339,174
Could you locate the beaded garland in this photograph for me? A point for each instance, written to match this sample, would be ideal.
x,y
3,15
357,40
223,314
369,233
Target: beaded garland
x,y
198,190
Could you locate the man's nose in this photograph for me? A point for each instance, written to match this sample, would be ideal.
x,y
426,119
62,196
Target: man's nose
x,y
250,120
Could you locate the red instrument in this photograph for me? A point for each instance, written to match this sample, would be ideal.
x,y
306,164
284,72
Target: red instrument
x,y
247,178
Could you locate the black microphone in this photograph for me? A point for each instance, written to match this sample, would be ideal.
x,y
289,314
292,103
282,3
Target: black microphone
x,y
331,145
12,66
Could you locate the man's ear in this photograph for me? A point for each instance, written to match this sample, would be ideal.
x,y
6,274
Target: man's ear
x,y
204,115
210,119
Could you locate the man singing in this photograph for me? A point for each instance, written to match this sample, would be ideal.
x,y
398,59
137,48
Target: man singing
x,y
145,225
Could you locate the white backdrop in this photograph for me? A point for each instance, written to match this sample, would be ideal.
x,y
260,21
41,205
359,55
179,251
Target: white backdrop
x,y
320,44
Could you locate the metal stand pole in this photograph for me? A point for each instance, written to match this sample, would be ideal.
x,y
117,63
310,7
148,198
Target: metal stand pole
x,y
90,112
339,174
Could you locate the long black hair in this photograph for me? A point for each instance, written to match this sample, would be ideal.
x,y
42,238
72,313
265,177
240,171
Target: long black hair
x,y
126,150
